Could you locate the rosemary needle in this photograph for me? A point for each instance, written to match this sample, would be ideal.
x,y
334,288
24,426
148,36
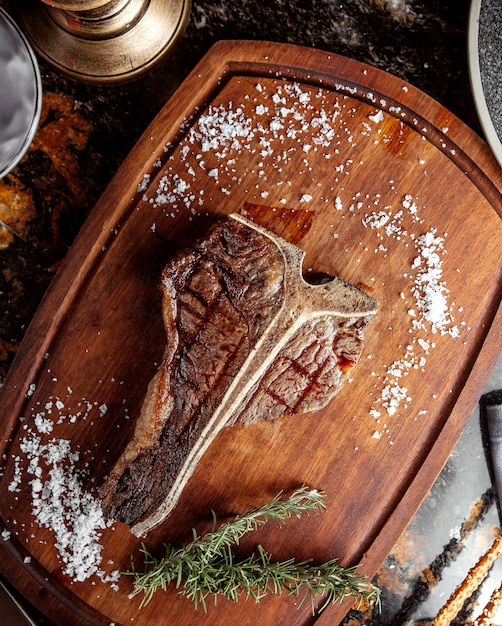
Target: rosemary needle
x,y
206,567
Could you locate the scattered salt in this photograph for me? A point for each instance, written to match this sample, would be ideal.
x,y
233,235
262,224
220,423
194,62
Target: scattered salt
x,y
59,501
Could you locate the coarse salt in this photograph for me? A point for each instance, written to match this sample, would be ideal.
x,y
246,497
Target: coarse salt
x,y
376,117
59,501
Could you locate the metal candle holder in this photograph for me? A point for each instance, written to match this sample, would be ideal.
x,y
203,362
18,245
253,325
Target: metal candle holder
x,y
103,41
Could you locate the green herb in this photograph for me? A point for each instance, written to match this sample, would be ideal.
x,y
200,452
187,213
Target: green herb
x,y
207,567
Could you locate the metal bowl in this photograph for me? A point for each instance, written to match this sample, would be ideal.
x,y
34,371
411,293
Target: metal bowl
x,y
20,94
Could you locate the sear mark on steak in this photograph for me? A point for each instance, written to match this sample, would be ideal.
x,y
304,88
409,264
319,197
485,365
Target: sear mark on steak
x,y
307,372
247,339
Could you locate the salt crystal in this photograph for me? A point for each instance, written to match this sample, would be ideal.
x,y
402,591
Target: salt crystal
x,y
377,117
43,425
145,181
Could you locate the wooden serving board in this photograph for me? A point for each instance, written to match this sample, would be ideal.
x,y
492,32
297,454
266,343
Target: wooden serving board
x,y
370,177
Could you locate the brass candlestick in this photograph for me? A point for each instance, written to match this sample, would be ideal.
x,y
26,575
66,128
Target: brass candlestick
x,y
103,41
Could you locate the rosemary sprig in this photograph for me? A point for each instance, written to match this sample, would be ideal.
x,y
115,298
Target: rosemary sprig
x,y
206,566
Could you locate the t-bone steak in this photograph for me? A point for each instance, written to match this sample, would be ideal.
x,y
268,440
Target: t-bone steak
x,y
248,339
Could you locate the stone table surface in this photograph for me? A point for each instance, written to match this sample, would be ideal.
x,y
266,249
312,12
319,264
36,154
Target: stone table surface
x,y
85,133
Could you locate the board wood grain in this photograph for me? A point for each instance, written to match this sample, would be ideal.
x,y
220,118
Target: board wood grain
x,y
370,177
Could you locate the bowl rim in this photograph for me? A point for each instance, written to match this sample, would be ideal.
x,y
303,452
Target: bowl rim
x,y
7,22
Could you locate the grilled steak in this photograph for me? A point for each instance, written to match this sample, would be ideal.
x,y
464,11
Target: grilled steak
x,y
247,339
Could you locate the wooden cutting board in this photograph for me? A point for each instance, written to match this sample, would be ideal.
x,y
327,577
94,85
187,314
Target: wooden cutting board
x,y
377,183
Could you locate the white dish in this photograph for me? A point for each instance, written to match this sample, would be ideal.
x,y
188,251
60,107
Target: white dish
x,y
20,94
